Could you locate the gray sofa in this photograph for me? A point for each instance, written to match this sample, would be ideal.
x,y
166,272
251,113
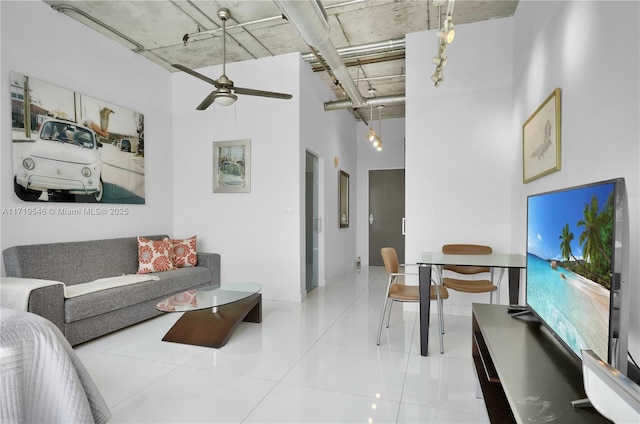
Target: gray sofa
x,y
92,315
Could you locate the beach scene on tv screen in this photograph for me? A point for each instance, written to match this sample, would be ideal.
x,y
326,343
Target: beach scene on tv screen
x,y
569,254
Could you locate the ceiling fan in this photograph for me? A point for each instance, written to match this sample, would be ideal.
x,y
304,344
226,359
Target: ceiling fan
x,y
225,92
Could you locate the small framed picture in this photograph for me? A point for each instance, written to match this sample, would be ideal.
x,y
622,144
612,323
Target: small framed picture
x,y
343,212
232,166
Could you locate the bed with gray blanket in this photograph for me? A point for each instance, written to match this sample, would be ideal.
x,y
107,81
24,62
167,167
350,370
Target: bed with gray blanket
x,y
87,316
43,381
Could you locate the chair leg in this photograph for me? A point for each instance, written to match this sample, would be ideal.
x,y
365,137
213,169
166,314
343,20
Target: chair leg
x,y
384,310
441,317
389,312
441,326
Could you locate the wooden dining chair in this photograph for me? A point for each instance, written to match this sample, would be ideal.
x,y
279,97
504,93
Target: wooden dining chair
x,y
397,291
469,285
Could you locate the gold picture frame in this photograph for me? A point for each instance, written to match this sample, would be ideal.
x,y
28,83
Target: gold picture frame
x,y
343,212
542,140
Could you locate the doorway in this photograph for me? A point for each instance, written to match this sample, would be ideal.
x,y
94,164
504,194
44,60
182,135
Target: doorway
x,y
386,213
312,221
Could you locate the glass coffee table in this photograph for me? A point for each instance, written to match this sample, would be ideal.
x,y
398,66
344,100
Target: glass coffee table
x,y
212,313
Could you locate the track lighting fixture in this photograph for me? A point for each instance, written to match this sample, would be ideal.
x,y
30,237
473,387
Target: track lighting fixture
x,y
446,34
373,136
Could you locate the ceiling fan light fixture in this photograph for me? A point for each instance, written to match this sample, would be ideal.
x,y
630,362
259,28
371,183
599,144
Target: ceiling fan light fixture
x,y
225,93
225,97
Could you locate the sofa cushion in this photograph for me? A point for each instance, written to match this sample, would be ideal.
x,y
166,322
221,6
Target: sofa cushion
x,y
110,300
154,255
184,251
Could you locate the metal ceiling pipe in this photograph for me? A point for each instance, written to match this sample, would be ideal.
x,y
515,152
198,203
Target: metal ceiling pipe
x,y
310,20
364,49
65,8
371,101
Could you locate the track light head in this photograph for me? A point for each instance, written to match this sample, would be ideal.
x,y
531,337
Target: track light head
x,y
440,61
437,78
371,136
447,33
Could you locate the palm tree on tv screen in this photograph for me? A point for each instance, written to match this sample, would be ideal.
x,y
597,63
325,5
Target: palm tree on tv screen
x,y
596,241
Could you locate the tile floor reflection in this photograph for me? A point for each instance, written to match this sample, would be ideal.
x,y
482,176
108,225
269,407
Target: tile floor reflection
x,y
310,362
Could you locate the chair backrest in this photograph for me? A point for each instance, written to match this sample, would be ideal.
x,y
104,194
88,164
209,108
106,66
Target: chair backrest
x,y
390,259
466,249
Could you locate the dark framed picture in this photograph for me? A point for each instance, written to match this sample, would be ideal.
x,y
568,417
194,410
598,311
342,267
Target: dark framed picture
x,y
343,183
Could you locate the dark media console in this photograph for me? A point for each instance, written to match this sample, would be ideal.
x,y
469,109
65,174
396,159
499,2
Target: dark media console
x,y
525,375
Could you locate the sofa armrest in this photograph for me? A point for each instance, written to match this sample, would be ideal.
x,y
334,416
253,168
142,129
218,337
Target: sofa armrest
x,y
48,302
41,297
211,261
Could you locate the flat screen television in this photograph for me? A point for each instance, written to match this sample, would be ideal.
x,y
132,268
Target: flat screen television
x,y
577,267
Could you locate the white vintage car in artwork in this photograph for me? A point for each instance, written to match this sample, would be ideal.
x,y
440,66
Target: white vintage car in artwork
x,y
64,160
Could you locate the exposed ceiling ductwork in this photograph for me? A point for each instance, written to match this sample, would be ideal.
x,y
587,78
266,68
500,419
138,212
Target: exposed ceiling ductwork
x,y
367,67
371,101
310,20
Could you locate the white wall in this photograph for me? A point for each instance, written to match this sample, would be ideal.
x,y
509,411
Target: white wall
x,y
260,234
460,145
391,157
44,44
329,135
562,44
256,233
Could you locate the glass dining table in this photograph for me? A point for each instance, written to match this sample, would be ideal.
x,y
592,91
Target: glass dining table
x,y
513,263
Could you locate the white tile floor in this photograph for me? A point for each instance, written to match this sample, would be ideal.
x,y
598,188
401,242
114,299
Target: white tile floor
x,y
315,361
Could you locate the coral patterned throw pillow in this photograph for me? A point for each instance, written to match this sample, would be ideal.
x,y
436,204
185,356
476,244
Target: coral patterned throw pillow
x,y
184,251
154,256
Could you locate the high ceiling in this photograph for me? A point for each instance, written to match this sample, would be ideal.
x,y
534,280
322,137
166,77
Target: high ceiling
x,y
373,29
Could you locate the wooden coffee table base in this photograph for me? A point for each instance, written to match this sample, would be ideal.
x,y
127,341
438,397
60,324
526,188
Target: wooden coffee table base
x,y
213,329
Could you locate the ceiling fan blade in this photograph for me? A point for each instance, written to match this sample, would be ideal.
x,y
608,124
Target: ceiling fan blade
x,y
195,74
207,101
251,92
